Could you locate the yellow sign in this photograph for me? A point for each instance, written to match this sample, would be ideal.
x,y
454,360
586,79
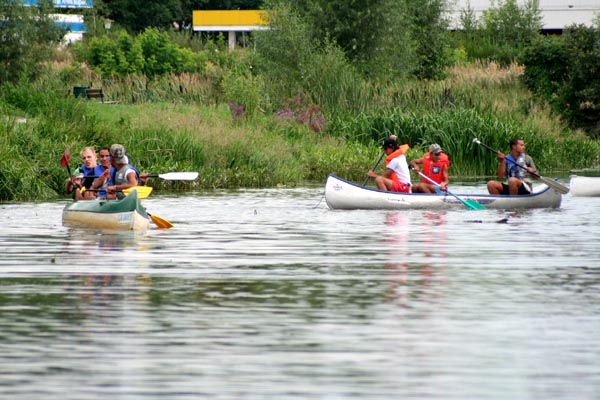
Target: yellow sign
x,y
230,19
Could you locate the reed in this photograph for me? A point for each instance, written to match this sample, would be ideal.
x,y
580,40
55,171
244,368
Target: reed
x,y
183,122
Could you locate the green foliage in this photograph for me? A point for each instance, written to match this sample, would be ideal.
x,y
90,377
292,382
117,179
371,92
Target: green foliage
x,y
151,53
454,130
292,63
374,35
31,150
430,36
503,32
545,64
27,39
565,71
136,16
285,49
243,91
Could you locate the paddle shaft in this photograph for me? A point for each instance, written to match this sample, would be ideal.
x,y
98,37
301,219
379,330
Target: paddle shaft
x,y
550,182
143,191
374,167
496,151
471,205
169,176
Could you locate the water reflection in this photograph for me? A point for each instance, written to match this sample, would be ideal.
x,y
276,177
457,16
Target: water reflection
x,y
411,281
258,294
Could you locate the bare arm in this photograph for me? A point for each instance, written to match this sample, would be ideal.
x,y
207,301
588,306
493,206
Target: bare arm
x,y
501,170
414,163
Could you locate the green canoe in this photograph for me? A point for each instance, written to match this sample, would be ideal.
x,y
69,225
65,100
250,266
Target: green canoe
x,y
126,214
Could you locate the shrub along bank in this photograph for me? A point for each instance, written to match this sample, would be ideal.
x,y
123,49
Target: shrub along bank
x,y
293,144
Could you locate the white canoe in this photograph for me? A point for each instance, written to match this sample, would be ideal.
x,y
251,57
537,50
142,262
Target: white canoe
x,y
126,214
345,195
584,186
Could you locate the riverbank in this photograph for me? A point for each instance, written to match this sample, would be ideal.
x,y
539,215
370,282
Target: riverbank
x,y
277,147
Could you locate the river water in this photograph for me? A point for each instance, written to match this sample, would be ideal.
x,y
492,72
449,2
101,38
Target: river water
x,y
268,294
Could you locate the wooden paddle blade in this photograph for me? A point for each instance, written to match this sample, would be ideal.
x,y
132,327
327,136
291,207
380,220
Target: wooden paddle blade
x,y
142,191
555,185
160,222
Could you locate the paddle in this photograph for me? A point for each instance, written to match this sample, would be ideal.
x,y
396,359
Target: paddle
x,y
170,176
176,176
64,161
374,167
160,222
550,182
469,204
142,191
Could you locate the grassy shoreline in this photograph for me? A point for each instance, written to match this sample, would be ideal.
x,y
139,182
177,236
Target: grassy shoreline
x,y
262,150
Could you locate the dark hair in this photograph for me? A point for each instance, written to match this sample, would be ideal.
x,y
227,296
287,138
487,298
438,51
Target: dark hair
x,y
514,141
390,143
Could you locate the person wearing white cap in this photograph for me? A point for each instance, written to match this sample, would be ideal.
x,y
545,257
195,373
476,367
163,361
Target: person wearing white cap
x,y
435,166
124,175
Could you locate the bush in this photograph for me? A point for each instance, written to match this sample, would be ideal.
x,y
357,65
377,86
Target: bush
x,y
565,71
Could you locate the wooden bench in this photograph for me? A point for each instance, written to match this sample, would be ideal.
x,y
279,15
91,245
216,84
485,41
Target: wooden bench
x,y
92,93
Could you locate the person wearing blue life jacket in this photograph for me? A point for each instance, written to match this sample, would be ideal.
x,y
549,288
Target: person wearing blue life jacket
x,y
89,169
516,167
103,180
123,176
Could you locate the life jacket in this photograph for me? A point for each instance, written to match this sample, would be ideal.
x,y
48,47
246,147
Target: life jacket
x,y
397,153
434,170
512,167
102,189
113,175
89,174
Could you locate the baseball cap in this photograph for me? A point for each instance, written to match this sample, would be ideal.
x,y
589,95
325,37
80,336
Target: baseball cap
x,y
117,152
435,149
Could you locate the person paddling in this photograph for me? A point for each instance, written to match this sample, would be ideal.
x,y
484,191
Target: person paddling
x,y
123,176
435,166
88,170
518,182
397,174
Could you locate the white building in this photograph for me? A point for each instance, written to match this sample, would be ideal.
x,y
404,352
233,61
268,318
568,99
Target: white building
x,y
75,25
556,14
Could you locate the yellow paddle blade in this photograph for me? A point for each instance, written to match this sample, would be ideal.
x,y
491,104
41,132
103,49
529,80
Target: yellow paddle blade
x,y
160,222
142,191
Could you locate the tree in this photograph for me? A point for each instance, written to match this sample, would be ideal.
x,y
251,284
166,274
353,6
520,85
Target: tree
x,y
511,28
374,34
565,71
137,15
28,36
429,33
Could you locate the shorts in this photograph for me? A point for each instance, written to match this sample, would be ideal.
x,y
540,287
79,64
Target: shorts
x,y
400,187
522,189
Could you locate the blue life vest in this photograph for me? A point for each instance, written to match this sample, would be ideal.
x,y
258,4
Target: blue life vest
x,y
512,167
89,174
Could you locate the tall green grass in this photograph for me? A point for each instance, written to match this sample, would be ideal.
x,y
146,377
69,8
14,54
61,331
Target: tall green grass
x,y
183,122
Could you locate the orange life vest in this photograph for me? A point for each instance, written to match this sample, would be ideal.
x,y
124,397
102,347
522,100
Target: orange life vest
x,y
434,170
401,150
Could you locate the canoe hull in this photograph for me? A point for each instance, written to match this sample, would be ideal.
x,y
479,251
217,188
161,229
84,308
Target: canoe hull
x,y
344,195
584,186
126,214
